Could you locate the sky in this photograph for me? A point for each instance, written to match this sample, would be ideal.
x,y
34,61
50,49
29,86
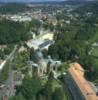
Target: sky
x,y
37,0
27,0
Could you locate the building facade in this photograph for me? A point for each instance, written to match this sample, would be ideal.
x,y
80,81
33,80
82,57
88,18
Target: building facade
x,y
80,84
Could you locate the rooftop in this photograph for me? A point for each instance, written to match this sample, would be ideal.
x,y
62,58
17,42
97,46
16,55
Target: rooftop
x,y
42,41
77,73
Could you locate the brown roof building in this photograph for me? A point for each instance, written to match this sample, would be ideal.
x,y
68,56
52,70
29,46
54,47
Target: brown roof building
x,y
77,74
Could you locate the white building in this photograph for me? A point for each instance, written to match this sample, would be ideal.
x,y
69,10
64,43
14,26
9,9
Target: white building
x,y
41,42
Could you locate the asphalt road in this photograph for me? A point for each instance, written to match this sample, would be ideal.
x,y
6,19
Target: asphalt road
x,y
8,89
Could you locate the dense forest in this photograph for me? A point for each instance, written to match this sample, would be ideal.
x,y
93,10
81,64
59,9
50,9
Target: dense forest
x,y
13,32
74,41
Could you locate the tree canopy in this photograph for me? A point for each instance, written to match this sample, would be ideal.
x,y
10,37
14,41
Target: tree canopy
x,y
13,32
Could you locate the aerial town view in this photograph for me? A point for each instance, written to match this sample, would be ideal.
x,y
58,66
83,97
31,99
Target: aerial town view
x,y
48,50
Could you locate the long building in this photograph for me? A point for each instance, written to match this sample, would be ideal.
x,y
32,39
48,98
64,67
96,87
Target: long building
x,y
76,73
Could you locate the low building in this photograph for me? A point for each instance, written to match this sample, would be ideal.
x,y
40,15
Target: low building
x,y
37,69
52,65
39,65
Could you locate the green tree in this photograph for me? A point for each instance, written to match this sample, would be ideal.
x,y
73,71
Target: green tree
x,y
32,53
30,87
45,53
16,33
59,94
17,97
21,60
